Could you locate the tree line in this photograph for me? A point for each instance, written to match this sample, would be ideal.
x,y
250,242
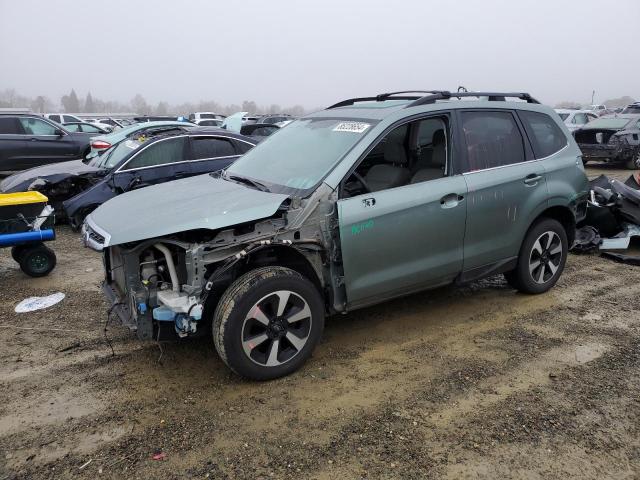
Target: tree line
x,y
71,103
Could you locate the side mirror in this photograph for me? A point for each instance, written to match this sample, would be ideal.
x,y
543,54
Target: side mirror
x,y
58,132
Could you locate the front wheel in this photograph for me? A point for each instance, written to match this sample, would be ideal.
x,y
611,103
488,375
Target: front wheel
x,y
542,257
268,322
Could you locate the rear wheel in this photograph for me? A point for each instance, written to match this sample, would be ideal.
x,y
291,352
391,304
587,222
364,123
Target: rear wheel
x,y
634,162
38,261
268,322
542,257
17,252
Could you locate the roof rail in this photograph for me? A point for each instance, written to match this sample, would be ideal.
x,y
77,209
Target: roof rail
x,y
403,95
432,96
492,96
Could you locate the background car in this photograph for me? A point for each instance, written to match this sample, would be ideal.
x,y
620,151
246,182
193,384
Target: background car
x,y
611,139
28,140
274,119
62,117
197,116
144,161
259,129
102,143
632,108
85,127
574,119
209,122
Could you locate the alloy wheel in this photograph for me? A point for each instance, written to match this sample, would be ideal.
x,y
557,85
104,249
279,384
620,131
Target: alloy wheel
x,y
276,328
545,257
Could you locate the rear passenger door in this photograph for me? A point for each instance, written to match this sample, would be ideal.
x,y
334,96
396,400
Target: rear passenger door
x,y
210,153
505,184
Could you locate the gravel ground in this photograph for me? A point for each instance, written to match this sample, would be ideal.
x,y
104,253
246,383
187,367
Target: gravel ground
x,y
473,382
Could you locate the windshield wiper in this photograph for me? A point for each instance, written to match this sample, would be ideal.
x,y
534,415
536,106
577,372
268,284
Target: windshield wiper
x,y
247,181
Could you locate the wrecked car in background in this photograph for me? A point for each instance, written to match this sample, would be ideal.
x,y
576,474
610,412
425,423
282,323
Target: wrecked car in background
x,y
160,155
102,143
611,139
370,199
150,160
63,180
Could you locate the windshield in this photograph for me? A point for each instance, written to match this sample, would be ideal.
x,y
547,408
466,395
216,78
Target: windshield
x,y
564,116
299,156
608,123
115,154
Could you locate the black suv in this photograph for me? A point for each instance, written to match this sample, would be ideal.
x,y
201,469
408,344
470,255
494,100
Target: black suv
x,y
28,140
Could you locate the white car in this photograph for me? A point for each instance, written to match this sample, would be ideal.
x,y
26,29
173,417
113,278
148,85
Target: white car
x,y
197,116
209,122
62,118
575,119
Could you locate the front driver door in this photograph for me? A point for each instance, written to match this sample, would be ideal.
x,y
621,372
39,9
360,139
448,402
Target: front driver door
x,y
403,239
159,162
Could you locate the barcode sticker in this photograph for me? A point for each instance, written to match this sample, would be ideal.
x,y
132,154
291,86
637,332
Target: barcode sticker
x,y
353,127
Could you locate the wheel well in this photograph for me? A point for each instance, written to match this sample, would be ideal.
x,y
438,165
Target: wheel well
x,y
281,256
565,217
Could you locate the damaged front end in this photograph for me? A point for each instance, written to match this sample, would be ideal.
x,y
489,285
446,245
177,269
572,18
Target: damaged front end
x,y
169,285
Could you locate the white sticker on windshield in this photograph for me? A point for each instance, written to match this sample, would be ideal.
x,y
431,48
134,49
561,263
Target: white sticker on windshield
x,y
353,127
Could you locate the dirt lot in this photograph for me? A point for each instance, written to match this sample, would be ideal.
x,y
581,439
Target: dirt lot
x,y
474,382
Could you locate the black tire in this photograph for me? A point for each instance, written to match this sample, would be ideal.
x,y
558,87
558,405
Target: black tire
x,y
235,331
38,261
528,278
634,162
17,251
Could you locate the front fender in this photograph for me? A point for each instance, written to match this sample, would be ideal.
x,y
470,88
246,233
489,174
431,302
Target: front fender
x,y
90,198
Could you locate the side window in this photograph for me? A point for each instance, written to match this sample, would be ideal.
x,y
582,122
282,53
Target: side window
x,y
431,151
9,126
159,153
35,126
410,153
211,147
90,128
580,119
73,128
69,118
493,140
55,118
242,147
546,137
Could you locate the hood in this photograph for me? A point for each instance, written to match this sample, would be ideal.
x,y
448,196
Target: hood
x,y
54,172
200,202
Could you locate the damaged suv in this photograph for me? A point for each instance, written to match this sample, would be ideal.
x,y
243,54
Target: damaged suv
x,y
370,199
612,139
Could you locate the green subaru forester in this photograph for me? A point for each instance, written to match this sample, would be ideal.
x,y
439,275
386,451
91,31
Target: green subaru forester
x,y
370,199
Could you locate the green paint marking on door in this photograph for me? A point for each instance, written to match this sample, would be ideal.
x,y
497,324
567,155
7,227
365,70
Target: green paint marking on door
x,y
361,227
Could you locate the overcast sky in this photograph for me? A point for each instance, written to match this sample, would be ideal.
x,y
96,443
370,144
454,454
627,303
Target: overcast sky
x,y
317,52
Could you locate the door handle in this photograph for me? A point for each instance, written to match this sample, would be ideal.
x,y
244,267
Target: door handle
x,y
532,179
451,200
369,202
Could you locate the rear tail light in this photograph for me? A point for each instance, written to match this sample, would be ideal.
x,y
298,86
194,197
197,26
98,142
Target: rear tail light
x,y
100,145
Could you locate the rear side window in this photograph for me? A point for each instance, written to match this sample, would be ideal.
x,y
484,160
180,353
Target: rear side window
x,y
9,126
242,147
546,137
211,147
493,140
159,153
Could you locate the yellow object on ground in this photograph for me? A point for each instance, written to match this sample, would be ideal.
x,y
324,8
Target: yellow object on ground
x,y
22,198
